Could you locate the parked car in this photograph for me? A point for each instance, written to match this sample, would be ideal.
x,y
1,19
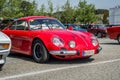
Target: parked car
x,y
114,33
5,45
75,27
41,36
98,30
5,22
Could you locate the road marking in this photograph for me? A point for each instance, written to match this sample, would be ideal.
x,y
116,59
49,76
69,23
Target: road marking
x,y
57,69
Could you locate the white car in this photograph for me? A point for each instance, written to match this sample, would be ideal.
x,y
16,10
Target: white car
x,y
5,45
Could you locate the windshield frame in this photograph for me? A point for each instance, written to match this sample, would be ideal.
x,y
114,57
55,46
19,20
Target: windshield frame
x,y
60,25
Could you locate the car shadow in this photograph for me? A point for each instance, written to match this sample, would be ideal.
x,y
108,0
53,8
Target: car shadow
x,y
73,61
21,56
109,43
51,60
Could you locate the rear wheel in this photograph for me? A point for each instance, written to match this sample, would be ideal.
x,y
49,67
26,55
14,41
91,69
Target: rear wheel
x,y
119,39
39,52
99,34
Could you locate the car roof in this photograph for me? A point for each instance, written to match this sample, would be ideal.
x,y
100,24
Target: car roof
x,y
34,17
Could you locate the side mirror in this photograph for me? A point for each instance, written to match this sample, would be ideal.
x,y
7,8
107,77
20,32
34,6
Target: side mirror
x,y
70,28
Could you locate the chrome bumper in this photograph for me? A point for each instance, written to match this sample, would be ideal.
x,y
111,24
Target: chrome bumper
x,y
3,55
63,52
99,49
73,52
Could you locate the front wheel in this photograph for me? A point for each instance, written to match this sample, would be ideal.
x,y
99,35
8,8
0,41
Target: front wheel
x,y
39,52
1,65
119,39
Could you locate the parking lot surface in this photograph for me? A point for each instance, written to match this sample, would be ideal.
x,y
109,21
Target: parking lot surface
x,y
103,66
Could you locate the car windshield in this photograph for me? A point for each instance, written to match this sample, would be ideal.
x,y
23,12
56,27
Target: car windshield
x,y
45,24
101,26
75,27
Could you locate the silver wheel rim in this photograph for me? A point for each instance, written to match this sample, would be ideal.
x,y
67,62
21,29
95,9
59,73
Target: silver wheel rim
x,y
99,35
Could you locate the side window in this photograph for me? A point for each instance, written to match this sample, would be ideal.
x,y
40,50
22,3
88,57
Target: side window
x,y
97,26
21,25
13,26
94,27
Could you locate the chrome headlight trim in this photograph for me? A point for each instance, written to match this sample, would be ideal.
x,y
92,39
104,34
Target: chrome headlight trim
x,y
57,42
94,41
72,44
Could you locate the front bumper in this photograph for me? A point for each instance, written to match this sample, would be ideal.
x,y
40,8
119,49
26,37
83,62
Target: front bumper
x,y
99,49
3,55
72,52
63,52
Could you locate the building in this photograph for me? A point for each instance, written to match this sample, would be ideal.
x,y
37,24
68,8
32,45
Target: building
x,y
114,16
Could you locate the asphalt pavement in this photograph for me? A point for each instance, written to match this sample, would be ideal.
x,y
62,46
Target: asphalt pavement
x,y
103,66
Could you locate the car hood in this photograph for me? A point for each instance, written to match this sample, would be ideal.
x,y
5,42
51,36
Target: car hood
x,y
65,33
70,34
83,38
4,38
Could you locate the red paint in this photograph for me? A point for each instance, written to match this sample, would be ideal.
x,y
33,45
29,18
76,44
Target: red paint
x,y
98,28
22,39
113,32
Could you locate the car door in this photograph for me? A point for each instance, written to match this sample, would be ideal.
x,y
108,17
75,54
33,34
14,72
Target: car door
x,y
20,36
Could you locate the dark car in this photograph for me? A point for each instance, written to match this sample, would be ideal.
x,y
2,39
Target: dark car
x,y
6,22
98,30
75,27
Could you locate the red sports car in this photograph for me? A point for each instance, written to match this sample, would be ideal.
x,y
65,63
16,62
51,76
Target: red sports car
x,y
41,36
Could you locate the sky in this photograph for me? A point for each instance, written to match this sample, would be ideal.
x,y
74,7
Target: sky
x,y
99,4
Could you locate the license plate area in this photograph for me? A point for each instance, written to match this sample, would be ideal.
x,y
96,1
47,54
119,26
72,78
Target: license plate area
x,y
88,52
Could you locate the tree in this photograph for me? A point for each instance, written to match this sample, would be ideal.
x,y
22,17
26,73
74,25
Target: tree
x,y
42,10
16,8
11,8
85,12
67,15
100,11
28,8
50,11
2,5
105,16
57,14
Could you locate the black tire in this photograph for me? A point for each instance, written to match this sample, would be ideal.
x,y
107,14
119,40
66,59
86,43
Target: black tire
x,y
99,35
40,53
118,39
1,65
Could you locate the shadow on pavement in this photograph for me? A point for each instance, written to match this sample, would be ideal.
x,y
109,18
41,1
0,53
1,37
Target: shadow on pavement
x,y
52,60
109,43
73,61
21,56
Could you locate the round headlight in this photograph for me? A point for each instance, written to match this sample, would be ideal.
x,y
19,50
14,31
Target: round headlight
x,y
72,44
94,42
57,42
